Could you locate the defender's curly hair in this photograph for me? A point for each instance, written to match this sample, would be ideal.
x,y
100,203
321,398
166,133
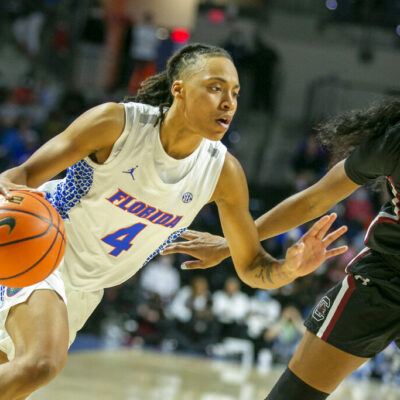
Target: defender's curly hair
x,y
341,134
156,90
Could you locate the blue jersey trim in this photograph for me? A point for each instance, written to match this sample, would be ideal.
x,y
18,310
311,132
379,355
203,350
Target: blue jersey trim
x,y
173,236
2,292
72,188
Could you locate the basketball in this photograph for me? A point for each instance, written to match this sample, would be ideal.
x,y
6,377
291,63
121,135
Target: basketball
x,y
32,239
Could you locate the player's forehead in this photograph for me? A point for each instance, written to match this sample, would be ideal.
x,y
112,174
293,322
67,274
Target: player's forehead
x,y
215,68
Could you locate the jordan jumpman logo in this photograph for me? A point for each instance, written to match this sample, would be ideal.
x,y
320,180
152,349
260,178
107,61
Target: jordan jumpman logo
x,y
130,172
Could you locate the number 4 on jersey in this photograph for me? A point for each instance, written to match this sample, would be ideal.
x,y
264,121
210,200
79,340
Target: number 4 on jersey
x,y
122,239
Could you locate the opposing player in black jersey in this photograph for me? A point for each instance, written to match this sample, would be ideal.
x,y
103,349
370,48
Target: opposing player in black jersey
x,y
360,316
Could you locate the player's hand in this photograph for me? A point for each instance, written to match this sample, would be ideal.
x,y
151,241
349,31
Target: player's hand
x,y
209,250
310,251
7,187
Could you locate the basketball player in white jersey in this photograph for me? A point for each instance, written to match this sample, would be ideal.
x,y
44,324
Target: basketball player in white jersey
x,y
138,173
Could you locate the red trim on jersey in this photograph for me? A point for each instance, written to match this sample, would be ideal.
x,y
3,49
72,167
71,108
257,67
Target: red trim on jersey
x,y
396,194
380,219
394,187
356,258
339,310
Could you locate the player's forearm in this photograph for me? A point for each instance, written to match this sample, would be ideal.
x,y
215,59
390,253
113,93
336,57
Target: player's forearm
x,y
292,212
266,272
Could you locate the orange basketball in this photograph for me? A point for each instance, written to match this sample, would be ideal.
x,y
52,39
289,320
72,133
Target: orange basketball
x,y
32,239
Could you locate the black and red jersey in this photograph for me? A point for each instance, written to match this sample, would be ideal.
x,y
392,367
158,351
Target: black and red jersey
x,y
377,157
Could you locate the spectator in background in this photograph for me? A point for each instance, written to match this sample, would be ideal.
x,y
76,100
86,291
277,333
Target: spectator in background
x,y
89,63
11,144
54,124
285,334
230,307
263,313
359,210
263,65
161,278
143,52
29,138
10,110
237,48
18,140
193,323
309,163
151,319
60,60
27,29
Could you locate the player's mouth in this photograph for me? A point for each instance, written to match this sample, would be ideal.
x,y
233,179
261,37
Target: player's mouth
x,y
224,121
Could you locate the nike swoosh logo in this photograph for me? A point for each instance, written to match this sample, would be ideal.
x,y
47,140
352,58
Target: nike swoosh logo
x,y
10,222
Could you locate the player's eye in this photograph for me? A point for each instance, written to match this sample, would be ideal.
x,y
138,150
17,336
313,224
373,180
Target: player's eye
x,y
215,88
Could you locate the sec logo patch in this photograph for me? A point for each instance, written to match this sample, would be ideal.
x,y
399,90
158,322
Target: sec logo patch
x,y
187,197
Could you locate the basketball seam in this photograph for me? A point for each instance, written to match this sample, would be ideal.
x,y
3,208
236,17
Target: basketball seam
x,y
59,250
39,199
46,204
30,237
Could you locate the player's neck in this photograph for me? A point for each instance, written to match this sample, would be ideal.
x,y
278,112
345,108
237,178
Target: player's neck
x,y
177,138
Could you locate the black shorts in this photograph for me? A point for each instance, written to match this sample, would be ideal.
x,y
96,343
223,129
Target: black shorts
x,y
361,314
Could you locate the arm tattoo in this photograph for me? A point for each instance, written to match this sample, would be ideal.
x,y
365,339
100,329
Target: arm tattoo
x,y
263,265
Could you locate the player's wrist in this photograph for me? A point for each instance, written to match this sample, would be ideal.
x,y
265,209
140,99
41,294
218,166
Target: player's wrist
x,y
288,270
224,249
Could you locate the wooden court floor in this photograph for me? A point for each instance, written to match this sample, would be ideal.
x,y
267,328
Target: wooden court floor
x,y
146,375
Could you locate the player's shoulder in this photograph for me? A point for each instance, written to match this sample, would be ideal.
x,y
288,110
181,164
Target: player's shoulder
x,y
110,109
231,165
107,115
232,178
141,108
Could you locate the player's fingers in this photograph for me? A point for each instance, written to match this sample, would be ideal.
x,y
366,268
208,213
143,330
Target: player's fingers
x,y
190,235
334,235
326,226
4,192
335,252
317,226
179,247
192,264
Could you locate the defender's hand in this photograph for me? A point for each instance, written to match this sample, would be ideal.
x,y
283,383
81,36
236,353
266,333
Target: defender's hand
x,y
310,251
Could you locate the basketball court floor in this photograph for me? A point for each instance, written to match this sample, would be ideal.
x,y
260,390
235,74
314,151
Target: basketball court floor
x,y
147,375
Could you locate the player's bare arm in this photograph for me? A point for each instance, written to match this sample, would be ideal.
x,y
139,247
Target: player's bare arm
x,y
253,265
302,207
94,132
308,204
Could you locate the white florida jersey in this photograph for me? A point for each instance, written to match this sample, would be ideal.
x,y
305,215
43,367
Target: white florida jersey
x,y
120,214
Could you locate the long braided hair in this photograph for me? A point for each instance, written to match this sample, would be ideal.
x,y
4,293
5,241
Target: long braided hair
x,y
156,90
341,134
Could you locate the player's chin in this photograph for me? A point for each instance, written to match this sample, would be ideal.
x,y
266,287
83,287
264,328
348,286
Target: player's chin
x,y
217,134
216,138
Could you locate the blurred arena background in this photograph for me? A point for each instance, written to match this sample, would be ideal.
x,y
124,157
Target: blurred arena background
x,y
299,63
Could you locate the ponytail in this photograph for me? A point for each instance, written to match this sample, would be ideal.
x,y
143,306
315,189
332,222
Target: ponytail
x,y
156,92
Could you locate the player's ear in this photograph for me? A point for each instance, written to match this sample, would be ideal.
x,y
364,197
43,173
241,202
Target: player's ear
x,y
177,88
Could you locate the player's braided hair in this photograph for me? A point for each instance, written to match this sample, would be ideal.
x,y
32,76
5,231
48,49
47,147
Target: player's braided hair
x,y
341,134
156,90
